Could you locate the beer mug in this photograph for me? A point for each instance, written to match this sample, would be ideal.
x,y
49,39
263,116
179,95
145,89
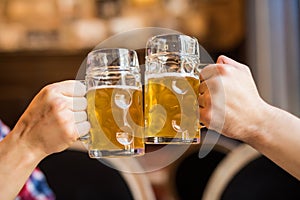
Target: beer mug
x,y
171,92
115,103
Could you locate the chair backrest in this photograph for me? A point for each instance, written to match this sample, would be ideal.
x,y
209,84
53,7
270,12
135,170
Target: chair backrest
x,y
73,175
192,172
246,174
138,183
187,176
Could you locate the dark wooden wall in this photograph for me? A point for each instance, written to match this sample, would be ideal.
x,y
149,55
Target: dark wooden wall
x,y
23,74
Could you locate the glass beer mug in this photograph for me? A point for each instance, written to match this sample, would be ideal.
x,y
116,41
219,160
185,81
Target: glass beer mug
x,y
115,103
171,90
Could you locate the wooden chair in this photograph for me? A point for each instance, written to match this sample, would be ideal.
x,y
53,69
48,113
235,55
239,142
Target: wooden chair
x,y
73,175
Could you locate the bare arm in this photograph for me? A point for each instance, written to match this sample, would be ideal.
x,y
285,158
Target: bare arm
x,y
232,106
52,122
279,139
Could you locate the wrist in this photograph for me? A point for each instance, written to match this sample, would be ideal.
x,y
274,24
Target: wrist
x,y
17,162
29,153
257,133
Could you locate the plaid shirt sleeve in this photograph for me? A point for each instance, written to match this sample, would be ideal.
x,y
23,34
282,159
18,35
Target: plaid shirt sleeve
x,y
36,187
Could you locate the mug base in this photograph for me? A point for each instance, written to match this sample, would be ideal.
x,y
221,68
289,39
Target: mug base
x,y
116,153
168,140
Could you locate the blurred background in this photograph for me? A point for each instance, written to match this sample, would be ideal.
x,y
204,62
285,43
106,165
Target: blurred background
x,y
262,34
43,41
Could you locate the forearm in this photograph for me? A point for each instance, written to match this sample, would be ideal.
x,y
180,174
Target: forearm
x,y
16,164
278,138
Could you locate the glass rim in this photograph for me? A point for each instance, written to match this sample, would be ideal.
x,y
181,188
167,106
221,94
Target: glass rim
x,y
125,54
181,54
170,35
153,43
110,50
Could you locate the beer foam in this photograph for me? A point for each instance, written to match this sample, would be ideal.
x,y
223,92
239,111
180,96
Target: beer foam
x,y
126,87
170,74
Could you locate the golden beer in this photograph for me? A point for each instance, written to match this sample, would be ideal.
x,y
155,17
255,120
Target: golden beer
x,y
116,117
171,108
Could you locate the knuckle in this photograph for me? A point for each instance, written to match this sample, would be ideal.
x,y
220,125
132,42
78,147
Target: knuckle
x,y
57,104
205,116
50,89
212,87
222,69
246,68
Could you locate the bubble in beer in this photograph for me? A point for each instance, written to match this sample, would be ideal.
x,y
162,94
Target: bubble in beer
x,y
126,137
175,126
123,99
180,86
